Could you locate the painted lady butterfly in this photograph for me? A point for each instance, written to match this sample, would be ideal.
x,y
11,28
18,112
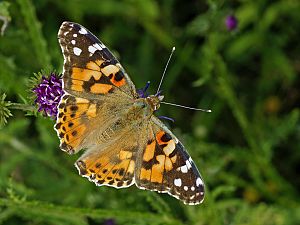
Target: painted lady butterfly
x,y
102,113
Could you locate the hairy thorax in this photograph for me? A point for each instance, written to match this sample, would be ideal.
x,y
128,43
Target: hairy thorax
x,y
143,108
140,111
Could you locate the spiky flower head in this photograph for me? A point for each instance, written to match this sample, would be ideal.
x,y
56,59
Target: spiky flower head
x,y
4,110
48,94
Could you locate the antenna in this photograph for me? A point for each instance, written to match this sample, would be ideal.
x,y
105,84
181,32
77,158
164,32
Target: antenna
x,y
168,103
186,107
162,77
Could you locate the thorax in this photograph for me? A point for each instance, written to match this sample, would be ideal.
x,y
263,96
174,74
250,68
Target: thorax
x,y
143,108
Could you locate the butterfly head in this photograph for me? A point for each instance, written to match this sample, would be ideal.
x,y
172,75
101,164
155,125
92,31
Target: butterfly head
x,y
154,101
145,107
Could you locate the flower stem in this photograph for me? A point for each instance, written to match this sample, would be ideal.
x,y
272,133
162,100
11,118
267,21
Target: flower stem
x,y
24,107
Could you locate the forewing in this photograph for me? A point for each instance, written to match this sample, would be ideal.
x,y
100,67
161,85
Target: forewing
x,y
165,166
97,89
90,69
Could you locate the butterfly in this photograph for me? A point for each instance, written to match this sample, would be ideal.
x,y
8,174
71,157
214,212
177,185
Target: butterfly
x,y
102,112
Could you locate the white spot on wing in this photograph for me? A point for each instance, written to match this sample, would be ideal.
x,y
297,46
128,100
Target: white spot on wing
x,y
77,51
102,45
184,169
185,188
193,188
73,42
198,182
97,46
74,35
177,182
83,31
188,164
92,49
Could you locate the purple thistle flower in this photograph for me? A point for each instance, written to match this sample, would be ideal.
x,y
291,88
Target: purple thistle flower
x,y
48,94
231,22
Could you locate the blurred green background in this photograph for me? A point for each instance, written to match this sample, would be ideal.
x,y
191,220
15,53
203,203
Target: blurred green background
x,y
247,149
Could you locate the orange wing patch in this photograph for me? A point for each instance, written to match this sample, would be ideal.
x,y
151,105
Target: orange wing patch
x,y
149,151
115,75
94,65
85,74
104,169
157,158
70,125
100,88
96,77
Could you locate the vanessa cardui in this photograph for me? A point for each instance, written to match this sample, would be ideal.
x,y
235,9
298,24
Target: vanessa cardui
x,y
102,113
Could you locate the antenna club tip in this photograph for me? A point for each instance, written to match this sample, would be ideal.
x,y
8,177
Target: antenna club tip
x,y
209,111
173,49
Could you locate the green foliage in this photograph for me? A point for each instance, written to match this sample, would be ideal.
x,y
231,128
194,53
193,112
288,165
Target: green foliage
x,y
4,111
247,149
4,15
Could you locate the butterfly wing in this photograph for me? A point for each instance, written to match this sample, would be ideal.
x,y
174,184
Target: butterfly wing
x,y
112,164
96,85
90,69
165,166
71,125
83,123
